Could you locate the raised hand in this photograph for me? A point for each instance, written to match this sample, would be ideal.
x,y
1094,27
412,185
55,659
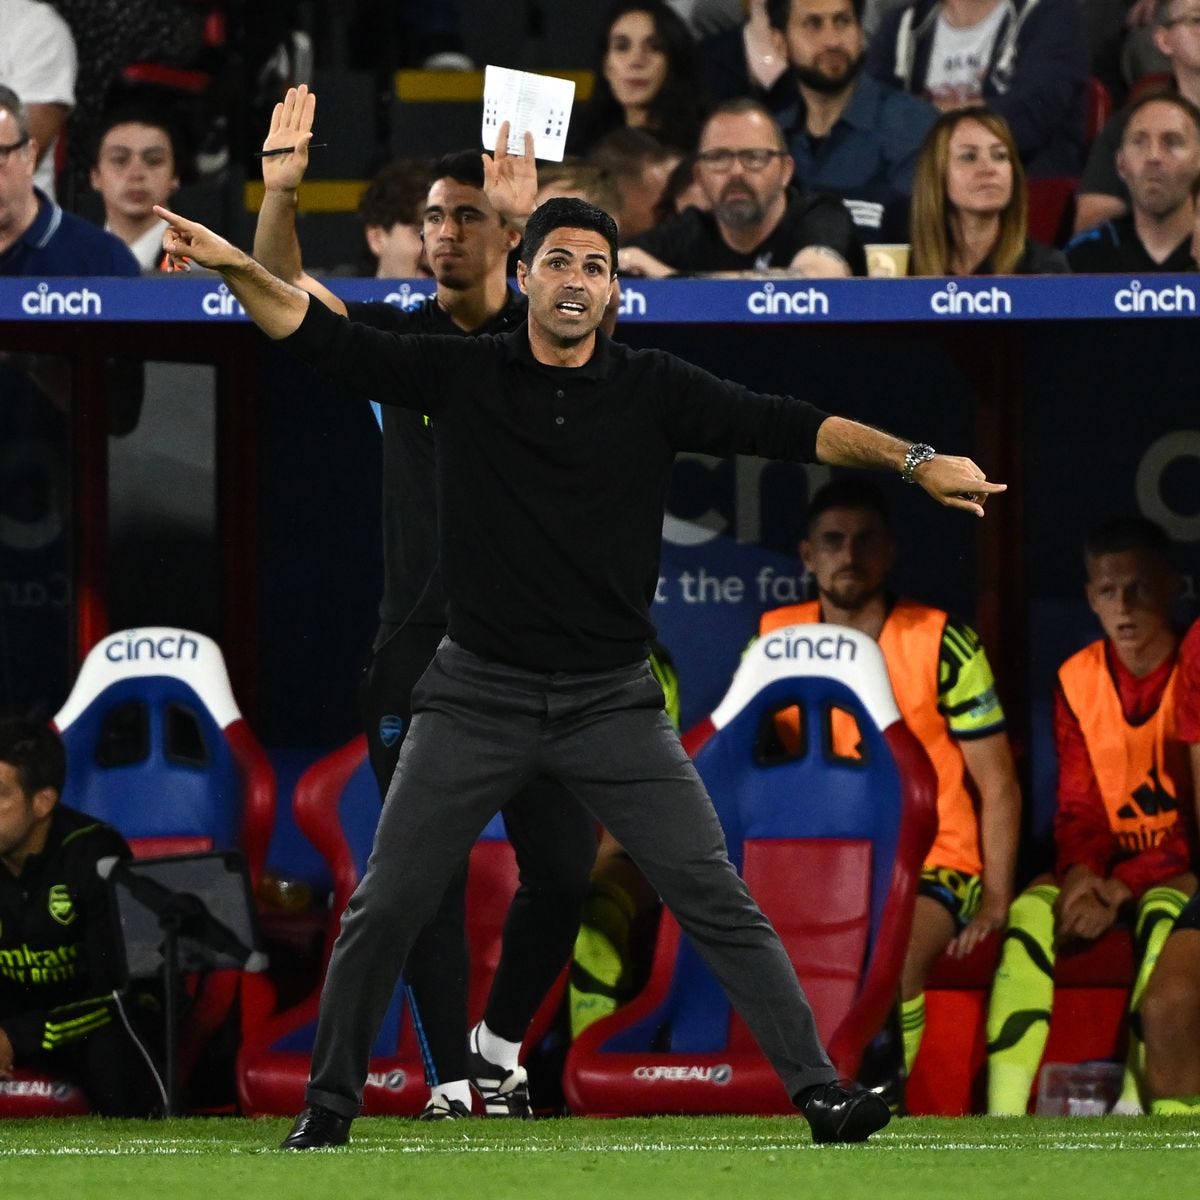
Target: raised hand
x,y
510,180
291,125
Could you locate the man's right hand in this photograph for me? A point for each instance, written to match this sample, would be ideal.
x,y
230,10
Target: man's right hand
x,y
6,1056
186,240
291,125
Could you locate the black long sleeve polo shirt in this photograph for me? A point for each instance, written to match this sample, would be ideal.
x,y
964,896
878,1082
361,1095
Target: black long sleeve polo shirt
x,y
551,481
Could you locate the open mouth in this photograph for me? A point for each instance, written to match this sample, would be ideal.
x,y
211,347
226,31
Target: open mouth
x,y
572,308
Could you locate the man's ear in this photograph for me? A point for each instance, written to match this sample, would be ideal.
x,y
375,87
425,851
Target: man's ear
x,y
1120,163
44,800
514,237
94,178
374,236
522,275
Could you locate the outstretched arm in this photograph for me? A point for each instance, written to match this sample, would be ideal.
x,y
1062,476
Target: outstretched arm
x,y
276,307
953,481
276,245
510,180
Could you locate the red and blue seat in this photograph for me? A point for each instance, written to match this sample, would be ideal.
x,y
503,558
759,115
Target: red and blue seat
x,y
336,805
828,804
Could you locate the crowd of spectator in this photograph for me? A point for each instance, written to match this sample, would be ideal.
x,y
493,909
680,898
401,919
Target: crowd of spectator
x,y
787,141
844,95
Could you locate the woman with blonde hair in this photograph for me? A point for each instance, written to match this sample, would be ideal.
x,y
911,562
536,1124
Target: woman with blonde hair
x,y
969,211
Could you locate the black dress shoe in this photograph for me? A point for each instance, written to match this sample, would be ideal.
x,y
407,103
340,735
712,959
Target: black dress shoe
x,y
316,1127
845,1113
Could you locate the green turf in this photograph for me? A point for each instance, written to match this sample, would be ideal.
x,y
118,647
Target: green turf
x,y
689,1158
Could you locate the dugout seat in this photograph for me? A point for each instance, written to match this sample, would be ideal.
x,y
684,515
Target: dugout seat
x,y
829,825
336,805
157,747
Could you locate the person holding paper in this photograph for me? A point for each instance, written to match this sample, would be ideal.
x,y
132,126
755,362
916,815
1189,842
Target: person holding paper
x,y
470,222
554,447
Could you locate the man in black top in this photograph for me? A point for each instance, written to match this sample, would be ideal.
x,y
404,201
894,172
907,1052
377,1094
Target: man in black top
x,y
468,241
59,960
757,222
554,449
1159,161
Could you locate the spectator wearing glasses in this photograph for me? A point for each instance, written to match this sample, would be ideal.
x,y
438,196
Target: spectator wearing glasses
x,y
755,221
1103,195
36,236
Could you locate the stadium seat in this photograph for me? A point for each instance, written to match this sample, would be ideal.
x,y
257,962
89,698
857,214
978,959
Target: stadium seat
x,y
829,832
1098,107
336,805
157,747
1051,208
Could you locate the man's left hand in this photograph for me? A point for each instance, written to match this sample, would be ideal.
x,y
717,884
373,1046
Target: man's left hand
x,y
991,917
956,482
510,181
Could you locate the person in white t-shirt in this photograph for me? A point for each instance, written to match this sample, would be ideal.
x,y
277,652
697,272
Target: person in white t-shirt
x,y
134,168
1027,60
38,61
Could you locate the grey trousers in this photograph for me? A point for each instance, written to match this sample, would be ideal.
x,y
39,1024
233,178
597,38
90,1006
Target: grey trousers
x,y
480,731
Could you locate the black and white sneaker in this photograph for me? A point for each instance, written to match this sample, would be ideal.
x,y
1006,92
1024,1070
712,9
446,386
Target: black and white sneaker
x,y
505,1092
441,1109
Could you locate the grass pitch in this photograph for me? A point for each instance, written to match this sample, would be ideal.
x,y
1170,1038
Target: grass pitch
x,y
689,1158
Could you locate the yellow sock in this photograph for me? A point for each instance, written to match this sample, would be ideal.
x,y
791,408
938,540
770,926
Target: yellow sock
x,y
1018,1017
598,966
1157,911
912,1029
1179,1106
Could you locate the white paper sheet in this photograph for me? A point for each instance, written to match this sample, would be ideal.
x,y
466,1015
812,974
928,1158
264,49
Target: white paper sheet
x,y
540,104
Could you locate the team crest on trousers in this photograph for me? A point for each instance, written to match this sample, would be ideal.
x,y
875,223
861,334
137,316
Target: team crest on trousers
x,y
62,907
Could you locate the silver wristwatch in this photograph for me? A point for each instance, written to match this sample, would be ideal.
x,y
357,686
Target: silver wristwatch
x,y
914,456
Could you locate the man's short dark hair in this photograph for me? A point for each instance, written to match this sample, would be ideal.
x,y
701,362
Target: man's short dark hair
x,y
139,114
778,12
1163,96
1124,534
566,212
848,491
463,166
396,196
35,752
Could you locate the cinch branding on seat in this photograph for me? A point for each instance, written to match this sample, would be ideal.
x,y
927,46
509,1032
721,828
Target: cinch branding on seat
x,y
1136,298
44,303
134,648
986,302
826,648
808,302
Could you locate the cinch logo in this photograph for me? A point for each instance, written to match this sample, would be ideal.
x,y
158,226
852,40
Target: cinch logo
x,y
221,303
407,298
826,647
810,302
987,301
1136,298
633,303
391,1081
720,1074
45,303
134,648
